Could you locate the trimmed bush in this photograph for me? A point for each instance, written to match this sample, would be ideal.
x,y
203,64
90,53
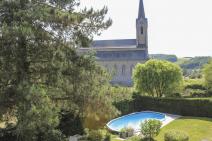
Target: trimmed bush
x,y
181,106
175,135
197,107
150,128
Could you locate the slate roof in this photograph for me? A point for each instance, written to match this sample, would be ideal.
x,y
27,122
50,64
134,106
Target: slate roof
x,y
114,43
122,55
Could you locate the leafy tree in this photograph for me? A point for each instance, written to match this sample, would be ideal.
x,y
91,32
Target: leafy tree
x,y
40,71
150,128
207,71
157,78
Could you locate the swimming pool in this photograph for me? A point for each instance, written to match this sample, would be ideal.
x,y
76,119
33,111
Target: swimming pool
x,y
134,120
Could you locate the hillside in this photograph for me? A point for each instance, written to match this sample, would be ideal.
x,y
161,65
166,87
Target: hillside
x,y
191,66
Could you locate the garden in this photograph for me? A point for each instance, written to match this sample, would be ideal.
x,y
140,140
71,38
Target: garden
x,y
48,92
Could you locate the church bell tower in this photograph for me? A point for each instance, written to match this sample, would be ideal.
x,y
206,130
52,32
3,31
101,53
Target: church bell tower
x,y
141,27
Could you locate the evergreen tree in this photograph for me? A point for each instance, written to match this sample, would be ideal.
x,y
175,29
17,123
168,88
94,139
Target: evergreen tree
x,y
40,70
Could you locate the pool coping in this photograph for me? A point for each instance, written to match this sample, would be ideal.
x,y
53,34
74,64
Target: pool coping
x,y
162,120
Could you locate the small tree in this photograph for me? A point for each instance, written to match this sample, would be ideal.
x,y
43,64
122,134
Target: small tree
x,y
207,71
150,128
157,78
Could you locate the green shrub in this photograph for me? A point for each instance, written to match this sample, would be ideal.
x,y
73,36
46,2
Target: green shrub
x,y
126,132
175,135
135,138
198,93
175,95
95,135
197,107
195,84
150,128
107,137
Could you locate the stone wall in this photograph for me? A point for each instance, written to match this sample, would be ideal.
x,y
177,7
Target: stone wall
x,y
121,71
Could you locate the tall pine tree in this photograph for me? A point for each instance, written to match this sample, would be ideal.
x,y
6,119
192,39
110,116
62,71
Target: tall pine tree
x,y
40,71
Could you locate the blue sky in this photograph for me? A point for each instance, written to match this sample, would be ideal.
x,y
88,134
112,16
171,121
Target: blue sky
x,y
181,27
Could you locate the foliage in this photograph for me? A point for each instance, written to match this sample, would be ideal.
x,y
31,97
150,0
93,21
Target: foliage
x,y
194,84
157,78
120,93
39,113
195,88
150,128
171,58
175,135
196,128
197,107
126,132
70,124
192,66
41,73
207,71
125,106
95,135
135,138
195,63
107,137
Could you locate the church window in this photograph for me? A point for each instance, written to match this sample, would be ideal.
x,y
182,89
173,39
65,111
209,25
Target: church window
x,y
107,68
131,69
115,69
123,70
142,30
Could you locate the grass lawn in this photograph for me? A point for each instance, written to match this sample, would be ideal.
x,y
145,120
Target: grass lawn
x,y
198,129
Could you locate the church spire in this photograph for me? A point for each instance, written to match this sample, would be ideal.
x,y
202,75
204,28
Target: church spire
x,y
141,27
141,12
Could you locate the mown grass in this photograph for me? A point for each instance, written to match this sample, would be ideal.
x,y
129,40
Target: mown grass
x,y
198,129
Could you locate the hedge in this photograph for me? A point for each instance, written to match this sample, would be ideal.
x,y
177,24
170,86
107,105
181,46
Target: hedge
x,y
180,106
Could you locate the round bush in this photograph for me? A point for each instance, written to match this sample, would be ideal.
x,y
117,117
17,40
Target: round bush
x,y
175,135
95,135
150,128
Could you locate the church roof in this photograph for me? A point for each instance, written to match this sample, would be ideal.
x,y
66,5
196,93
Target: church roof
x,y
141,12
127,55
114,43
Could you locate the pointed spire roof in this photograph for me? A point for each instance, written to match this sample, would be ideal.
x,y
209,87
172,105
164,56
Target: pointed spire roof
x,y
141,12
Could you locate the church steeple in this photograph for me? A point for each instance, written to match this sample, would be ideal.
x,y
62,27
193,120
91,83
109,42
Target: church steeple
x,y
141,12
141,27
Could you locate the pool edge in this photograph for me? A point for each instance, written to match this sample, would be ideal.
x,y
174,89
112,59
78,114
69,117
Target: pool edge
x,y
132,114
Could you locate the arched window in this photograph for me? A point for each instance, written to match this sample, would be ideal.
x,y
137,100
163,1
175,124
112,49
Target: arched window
x,y
107,68
142,30
123,70
115,69
131,69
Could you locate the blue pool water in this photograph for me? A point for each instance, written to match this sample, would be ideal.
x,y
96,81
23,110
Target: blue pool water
x,y
133,120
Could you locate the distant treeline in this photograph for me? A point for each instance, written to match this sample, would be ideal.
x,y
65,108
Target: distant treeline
x,y
185,63
195,63
171,58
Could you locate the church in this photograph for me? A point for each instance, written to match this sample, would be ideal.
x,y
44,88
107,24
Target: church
x,y
120,57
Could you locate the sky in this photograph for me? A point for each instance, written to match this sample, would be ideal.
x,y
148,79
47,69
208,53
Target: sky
x,y
180,27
